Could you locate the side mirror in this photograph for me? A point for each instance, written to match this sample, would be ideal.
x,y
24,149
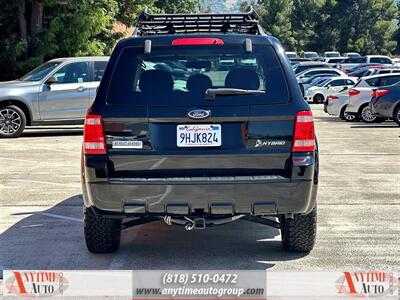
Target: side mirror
x,y
51,80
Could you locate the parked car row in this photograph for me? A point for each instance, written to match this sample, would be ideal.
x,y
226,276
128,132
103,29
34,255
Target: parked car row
x,y
372,99
58,91
348,93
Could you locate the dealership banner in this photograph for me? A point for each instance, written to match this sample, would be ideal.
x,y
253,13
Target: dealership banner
x,y
204,284
198,284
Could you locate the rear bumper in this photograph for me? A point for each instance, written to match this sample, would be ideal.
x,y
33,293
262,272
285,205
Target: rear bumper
x,y
265,195
332,108
215,196
353,108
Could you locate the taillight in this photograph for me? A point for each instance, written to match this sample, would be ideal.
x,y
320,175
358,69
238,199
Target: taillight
x,y
93,135
197,41
332,97
353,92
379,93
304,136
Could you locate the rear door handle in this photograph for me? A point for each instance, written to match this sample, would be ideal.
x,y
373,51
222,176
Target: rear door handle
x,y
80,89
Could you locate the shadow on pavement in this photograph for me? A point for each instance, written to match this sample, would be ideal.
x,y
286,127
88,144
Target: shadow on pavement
x,y
51,131
53,239
375,126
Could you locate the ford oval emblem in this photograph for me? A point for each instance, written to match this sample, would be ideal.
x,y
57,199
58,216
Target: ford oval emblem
x,y
199,114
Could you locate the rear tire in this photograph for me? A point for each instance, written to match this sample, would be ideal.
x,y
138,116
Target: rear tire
x,y
299,234
102,235
347,117
12,121
318,98
366,115
396,115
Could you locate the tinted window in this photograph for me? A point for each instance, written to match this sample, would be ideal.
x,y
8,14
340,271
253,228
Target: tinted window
x,y
354,60
338,82
349,82
373,81
72,73
385,60
181,75
389,80
331,72
99,67
375,60
41,72
384,71
335,60
301,68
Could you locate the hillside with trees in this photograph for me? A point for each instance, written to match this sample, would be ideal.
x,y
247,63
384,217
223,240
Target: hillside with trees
x,y
32,31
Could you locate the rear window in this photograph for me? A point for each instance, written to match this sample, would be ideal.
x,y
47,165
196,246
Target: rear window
x,y
389,80
354,60
373,81
335,60
181,75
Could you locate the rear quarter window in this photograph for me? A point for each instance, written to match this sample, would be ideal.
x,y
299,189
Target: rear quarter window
x,y
373,81
389,80
180,75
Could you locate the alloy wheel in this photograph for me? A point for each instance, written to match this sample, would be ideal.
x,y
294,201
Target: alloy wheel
x,y
349,117
10,121
367,115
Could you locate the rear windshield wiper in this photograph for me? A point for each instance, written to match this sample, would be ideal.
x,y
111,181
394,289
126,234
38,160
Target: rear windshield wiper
x,y
211,93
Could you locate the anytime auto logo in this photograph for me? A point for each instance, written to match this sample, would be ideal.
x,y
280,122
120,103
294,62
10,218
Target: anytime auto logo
x,y
367,284
36,283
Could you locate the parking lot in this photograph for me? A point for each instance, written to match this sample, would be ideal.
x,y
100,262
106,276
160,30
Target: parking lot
x,y
358,225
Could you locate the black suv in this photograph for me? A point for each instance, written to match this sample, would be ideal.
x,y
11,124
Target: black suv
x,y
199,121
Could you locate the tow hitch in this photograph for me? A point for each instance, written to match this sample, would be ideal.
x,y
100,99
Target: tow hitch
x,y
200,222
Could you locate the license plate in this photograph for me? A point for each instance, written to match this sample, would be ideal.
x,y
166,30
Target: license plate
x,y
204,135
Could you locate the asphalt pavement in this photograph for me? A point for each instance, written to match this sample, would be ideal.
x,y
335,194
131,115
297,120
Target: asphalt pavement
x,y
358,210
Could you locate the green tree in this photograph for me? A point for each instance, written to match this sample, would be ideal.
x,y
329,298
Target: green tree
x,y
129,10
276,20
365,26
306,16
177,6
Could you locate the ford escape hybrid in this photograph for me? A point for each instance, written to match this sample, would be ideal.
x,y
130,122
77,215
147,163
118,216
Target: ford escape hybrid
x,y
199,121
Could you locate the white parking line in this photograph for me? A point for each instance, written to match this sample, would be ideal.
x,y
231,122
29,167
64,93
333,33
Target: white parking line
x,y
20,160
158,163
59,217
46,182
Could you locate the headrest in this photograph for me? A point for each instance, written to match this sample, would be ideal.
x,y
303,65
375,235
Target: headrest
x,y
242,78
198,84
156,82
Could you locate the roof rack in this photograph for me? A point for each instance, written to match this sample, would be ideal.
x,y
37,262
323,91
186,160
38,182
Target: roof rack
x,y
158,24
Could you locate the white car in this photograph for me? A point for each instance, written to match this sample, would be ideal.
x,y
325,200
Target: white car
x,y
334,61
291,55
379,59
351,62
360,95
311,55
352,54
314,80
328,54
318,93
336,103
301,77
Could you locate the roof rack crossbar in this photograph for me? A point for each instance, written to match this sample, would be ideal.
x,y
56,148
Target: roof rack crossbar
x,y
156,24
